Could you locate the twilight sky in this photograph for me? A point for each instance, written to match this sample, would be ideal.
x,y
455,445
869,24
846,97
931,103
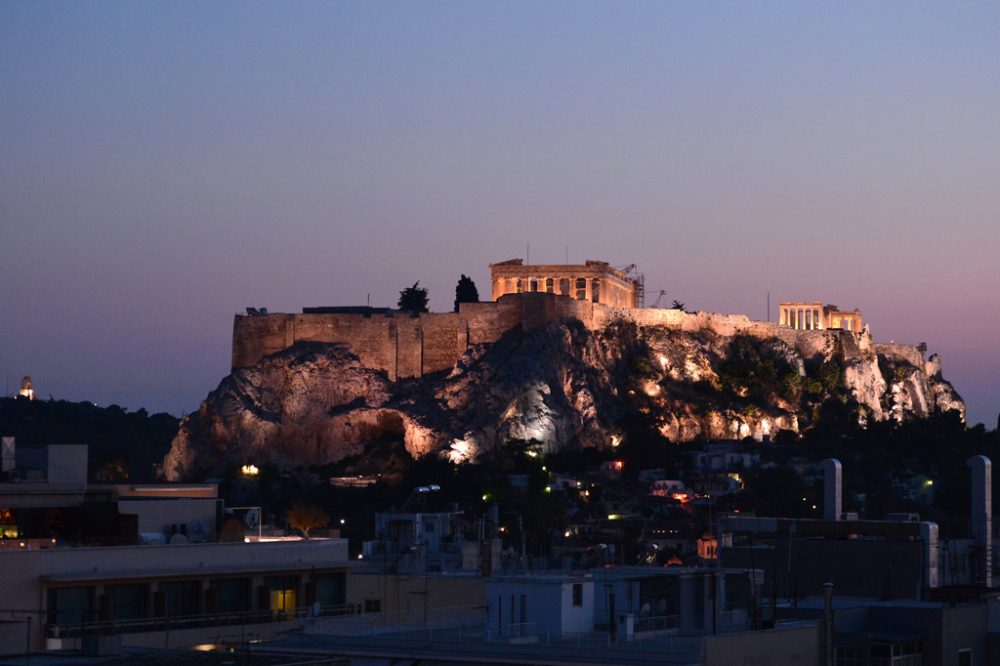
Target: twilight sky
x,y
164,165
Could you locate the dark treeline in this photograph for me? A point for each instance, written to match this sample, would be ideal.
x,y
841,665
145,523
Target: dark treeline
x,y
123,445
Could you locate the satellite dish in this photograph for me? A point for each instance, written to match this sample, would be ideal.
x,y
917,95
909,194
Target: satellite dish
x,y
252,518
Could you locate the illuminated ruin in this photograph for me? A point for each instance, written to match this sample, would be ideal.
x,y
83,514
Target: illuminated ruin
x,y
594,281
817,316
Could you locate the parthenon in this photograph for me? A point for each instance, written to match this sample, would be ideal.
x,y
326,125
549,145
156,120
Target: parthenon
x,y
816,316
595,281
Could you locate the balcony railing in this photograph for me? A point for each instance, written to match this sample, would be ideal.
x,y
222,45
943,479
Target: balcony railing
x,y
172,623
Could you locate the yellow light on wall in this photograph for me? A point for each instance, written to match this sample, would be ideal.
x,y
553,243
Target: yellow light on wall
x,y
249,470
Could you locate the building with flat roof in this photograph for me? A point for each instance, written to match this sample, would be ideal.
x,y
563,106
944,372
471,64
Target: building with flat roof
x,y
179,595
46,498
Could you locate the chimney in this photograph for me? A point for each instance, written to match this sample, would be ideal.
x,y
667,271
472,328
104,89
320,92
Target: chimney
x,y
982,516
831,489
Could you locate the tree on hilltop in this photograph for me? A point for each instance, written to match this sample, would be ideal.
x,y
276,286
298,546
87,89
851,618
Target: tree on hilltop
x,y
305,517
465,291
677,305
413,299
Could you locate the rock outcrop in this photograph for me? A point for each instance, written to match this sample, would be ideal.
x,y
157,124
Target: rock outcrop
x,y
308,404
561,385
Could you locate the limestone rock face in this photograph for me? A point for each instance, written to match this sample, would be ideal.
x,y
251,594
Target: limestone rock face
x,y
307,404
942,394
915,387
562,385
551,387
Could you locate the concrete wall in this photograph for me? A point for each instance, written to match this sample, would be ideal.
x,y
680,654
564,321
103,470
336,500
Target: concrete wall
x,y
858,567
402,595
160,515
68,464
945,630
801,646
548,602
405,345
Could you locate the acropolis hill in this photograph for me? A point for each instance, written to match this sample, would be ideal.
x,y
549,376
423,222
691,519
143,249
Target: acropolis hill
x,y
546,362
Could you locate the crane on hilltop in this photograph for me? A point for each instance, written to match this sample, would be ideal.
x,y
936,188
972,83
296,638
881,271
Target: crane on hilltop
x,y
675,305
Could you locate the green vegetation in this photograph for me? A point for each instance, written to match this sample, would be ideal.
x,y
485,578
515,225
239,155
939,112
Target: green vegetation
x,y
413,299
757,372
465,291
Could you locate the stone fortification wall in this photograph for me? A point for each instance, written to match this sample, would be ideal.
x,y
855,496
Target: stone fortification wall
x,y
808,343
405,345
908,353
401,344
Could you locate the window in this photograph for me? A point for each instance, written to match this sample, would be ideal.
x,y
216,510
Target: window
x,y
581,289
577,594
595,290
281,592
180,598
329,589
70,605
965,657
564,286
533,284
231,594
549,285
520,285
128,601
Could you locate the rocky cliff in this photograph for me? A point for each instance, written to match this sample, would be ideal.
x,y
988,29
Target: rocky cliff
x,y
561,385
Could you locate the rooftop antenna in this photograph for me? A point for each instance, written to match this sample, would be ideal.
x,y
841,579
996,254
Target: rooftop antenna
x,y
369,299
527,259
567,254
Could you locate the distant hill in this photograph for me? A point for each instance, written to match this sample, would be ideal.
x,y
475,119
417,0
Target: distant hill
x,y
123,445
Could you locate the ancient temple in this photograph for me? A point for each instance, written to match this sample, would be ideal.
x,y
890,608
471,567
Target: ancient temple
x,y
817,316
595,281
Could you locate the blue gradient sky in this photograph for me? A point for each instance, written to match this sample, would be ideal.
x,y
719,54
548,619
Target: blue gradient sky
x,y
163,165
